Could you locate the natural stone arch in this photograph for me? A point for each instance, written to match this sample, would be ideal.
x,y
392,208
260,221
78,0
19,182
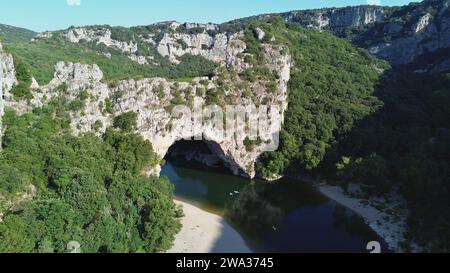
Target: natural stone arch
x,y
150,98
215,149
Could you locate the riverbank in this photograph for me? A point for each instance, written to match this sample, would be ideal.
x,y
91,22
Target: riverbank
x,y
386,216
204,232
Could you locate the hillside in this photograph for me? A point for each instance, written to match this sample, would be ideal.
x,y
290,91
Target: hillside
x,y
10,34
399,35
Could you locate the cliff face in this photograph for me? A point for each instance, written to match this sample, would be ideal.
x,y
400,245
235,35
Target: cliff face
x,y
417,34
414,33
2,107
7,80
153,99
331,19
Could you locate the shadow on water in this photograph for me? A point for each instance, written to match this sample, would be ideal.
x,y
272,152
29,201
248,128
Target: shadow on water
x,y
287,216
229,241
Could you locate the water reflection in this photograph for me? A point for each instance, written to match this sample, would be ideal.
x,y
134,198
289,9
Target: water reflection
x,y
286,216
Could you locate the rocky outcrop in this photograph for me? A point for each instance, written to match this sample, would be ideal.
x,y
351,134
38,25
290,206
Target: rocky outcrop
x,y
153,100
350,17
154,122
400,35
423,22
7,81
427,35
202,26
188,38
218,48
334,18
100,36
2,107
260,34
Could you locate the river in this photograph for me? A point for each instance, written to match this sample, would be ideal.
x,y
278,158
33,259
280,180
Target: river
x,y
285,216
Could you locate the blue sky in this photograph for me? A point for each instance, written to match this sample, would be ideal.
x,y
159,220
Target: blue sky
x,y
41,15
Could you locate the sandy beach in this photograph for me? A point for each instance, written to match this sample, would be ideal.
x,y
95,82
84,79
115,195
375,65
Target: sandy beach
x,y
204,232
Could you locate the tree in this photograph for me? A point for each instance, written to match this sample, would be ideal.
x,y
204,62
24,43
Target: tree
x,y
126,121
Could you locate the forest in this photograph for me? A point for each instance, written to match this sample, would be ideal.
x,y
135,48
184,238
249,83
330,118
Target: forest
x,y
85,189
389,130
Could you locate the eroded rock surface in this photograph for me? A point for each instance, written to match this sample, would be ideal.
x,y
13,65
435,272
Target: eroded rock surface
x,y
153,99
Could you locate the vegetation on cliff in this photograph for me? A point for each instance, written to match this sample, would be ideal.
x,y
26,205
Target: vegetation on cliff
x,y
42,55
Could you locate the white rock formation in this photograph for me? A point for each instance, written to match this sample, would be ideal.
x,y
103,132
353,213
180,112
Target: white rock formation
x,y
9,73
7,81
349,17
2,107
423,22
139,59
425,38
201,26
408,39
219,48
152,98
260,34
100,36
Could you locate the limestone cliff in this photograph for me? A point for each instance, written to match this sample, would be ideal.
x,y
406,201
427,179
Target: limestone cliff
x,y
7,80
406,41
1,94
153,99
418,33
334,18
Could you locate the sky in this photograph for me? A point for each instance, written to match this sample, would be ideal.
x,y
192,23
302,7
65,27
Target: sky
x,y
42,15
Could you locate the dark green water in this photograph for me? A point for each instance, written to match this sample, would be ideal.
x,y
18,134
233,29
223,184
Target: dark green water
x,y
286,216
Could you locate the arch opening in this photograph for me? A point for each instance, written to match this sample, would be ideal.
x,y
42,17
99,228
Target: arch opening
x,y
201,154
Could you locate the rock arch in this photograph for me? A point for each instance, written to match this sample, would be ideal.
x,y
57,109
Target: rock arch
x,y
152,99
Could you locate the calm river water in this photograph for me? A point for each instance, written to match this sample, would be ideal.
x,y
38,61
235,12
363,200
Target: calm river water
x,y
285,216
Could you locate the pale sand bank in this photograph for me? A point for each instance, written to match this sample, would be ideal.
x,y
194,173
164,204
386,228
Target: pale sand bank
x,y
204,232
389,223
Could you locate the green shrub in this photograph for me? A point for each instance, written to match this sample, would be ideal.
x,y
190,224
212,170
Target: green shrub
x,y
109,106
126,121
23,75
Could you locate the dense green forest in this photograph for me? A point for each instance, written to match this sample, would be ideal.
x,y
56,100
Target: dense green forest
x,y
86,189
406,145
10,34
348,122
331,88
